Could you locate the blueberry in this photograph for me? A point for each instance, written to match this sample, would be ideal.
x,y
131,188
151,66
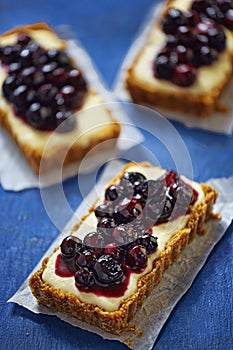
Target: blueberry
x,y
27,75
19,95
207,55
111,193
173,20
125,234
184,54
224,5
214,13
58,77
71,98
49,67
163,67
59,56
86,258
228,19
136,257
104,210
192,17
108,271
94,240
113,250
14,68
217,39
200,5
38,116
70,246
7,54
106,225
84,278
136,179
185,35
184,75
46,93
149,242
9,85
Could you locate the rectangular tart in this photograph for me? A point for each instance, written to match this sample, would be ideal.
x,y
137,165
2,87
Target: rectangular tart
x,y
199,92
142,245
71,118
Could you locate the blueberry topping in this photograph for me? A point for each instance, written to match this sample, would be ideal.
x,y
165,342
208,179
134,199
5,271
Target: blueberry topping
x,y
104,258
193,39
60,87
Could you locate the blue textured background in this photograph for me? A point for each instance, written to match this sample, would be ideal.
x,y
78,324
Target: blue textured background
x,y
203,317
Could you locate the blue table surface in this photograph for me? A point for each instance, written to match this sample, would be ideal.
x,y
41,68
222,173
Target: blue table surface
x,y
202,319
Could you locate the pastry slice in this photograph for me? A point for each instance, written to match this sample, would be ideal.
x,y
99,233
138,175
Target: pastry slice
x,y
113,258
42,93
187,60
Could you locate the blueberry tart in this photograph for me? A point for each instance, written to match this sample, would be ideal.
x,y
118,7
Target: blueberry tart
x,y
44,92
113,258
187,60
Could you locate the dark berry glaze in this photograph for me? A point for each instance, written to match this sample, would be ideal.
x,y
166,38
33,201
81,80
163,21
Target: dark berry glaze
x,y
43,86
62,267
104,260
194,39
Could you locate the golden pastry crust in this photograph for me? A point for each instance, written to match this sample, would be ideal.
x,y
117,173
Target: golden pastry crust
x,y
35,154
182,100
118,321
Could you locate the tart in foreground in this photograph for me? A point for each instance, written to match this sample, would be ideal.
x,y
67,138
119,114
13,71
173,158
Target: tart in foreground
x,y
45,94
104,270
186,62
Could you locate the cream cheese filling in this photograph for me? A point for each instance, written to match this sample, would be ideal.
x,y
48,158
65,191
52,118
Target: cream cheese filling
x,y
206,80
164,232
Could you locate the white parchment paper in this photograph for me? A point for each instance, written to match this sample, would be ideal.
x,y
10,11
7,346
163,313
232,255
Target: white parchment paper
x,y
176,281
16,174
218,122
